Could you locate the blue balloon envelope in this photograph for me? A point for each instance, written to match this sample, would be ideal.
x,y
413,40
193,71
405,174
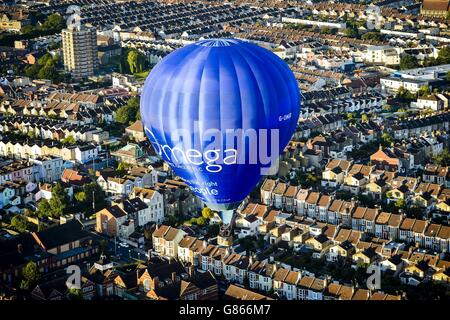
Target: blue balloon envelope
x,y
220,112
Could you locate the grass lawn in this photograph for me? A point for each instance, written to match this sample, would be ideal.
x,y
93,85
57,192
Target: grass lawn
x,y
141,75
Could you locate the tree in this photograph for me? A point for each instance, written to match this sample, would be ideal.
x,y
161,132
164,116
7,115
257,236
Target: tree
x,y
44,68
400,204
387,108
30,276
364,118
404,95
68,140
201,221
444,55
443,158
424,91
80,196
91,193
54,22
58,201
351,32
94,194
20,223
125,115
373,35
326,30
207,213
129,112
387,139
135,61
44,209
408,61
122,168
75,294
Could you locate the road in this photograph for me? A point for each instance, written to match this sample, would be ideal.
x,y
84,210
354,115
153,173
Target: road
x,y
122,254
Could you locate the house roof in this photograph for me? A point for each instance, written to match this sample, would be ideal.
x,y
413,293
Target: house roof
x,y
435,5
235,292
313,197
361,294
136,126
115,211
268,185
407,224
383,218
62,234
163,269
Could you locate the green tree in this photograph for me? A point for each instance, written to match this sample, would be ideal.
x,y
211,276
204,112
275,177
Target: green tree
x,y
91,193
54,22
400,204
207,213
404,95
351,32
81,196
122,169
125,115
364,118
387,139
444,55
373,35
69,140
387,108
75,294
129,112
20,223
94,194
443,158
59,201
135,61
44,209
201,221
30,276
408,61
326,30
44,68
424,91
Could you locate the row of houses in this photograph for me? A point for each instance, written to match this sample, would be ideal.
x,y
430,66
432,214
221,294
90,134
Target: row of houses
x,y
327,208
25,149
260,276
51,129
421,125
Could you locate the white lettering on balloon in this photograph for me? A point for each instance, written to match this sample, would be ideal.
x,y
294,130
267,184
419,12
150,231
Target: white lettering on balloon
x,y
219,149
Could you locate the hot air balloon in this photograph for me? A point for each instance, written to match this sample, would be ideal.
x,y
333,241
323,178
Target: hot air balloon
x,y
220,112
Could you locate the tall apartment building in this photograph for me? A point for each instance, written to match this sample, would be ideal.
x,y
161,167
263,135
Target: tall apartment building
x,y
80,50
